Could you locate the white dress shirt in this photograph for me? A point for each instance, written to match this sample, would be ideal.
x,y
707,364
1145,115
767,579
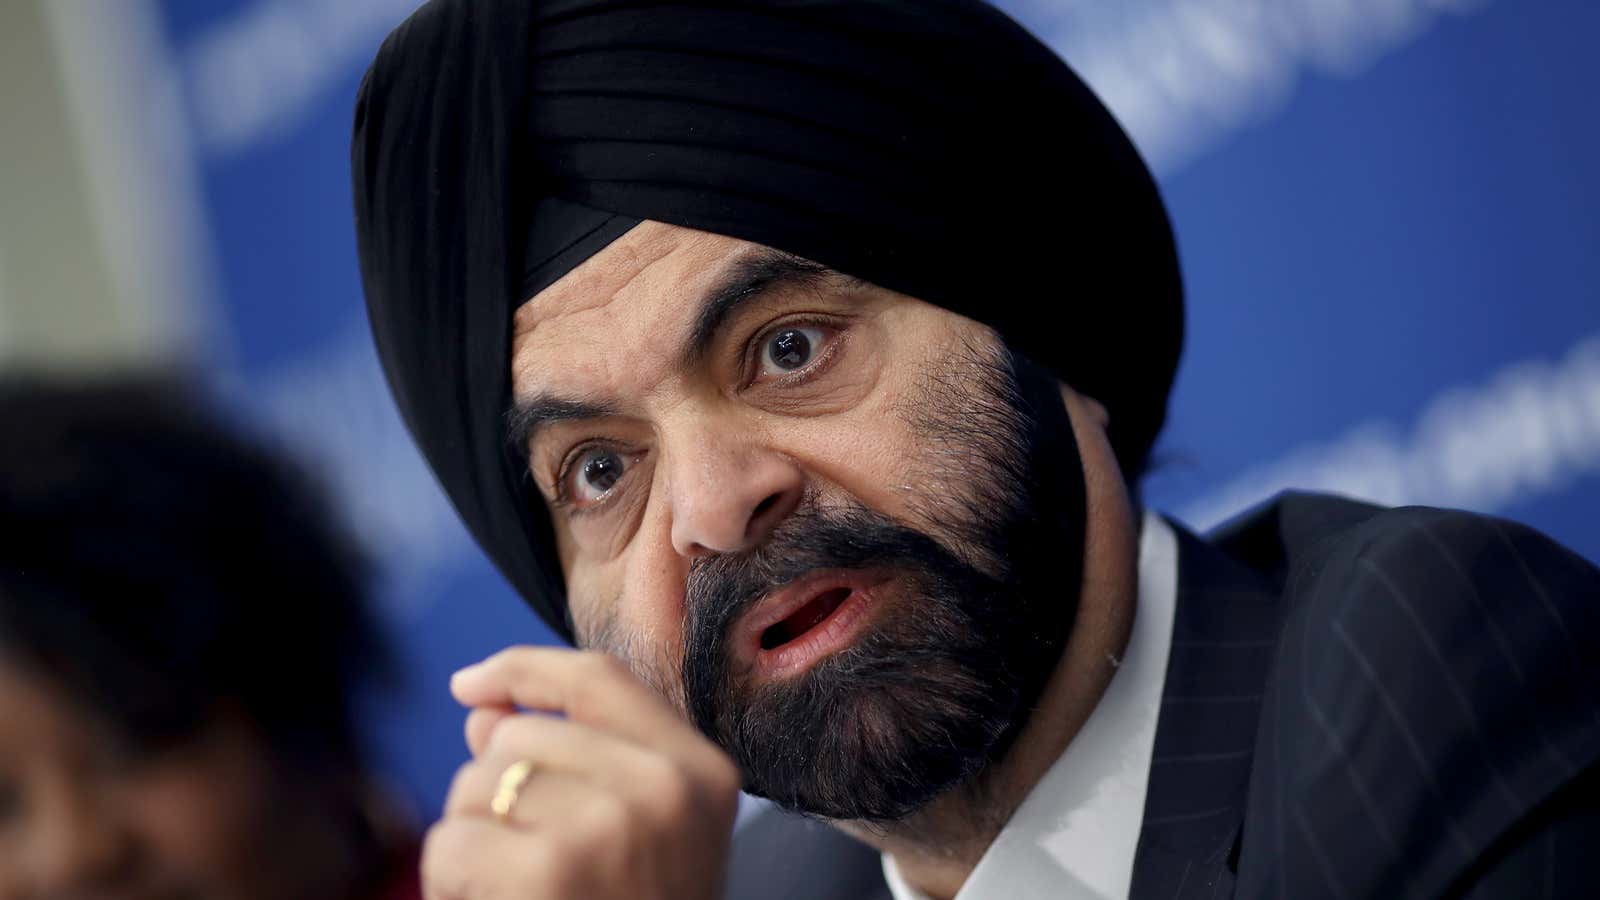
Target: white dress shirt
x,y
1075,834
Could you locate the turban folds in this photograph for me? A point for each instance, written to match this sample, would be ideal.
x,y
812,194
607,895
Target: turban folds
x,y
932,147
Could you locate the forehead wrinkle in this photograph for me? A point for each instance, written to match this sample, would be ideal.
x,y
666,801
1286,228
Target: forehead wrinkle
x,y
620,337
594,287
599,281
612,352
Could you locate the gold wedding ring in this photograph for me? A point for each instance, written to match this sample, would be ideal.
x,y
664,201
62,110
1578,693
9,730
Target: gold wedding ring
x,y
512,781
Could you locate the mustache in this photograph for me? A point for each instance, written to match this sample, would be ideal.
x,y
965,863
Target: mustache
x,y
720,588
926,671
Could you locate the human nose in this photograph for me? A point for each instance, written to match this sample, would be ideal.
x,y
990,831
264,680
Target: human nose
x,y
728,495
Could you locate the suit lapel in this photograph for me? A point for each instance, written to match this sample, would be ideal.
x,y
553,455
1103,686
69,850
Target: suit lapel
x,y
1224,636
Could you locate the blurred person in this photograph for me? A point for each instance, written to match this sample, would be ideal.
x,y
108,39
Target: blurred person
x,y
181,631
800,361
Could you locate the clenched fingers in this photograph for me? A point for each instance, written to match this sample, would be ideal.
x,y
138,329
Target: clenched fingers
x,y
590,687
625,800
655,788
593,689
481,722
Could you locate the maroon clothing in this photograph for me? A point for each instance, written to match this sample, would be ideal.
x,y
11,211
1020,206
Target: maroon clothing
x,y
404,881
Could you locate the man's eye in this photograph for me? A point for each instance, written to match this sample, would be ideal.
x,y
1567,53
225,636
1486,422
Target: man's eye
x,y
790,349
593,474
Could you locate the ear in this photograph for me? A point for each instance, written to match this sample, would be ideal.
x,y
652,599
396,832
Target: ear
x,y
1084,403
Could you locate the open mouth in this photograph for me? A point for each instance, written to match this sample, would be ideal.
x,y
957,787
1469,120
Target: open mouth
x,y
808,619
804,619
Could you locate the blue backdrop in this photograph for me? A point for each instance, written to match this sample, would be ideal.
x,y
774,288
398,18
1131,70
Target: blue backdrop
x,y
1388,210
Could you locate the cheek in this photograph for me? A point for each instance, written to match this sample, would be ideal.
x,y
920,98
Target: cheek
x,y
871,452
592,601
879,450
633,608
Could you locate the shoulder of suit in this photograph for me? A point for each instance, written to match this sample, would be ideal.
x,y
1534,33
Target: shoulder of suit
x,y
1439,566
1433,683
1447,610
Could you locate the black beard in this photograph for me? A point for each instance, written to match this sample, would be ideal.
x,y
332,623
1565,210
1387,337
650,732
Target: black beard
x,y
937,687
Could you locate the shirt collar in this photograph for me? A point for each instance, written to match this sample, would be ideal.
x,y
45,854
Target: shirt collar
x,y
1076,833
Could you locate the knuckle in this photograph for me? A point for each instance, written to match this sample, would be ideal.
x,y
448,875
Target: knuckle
x,y
462,787
559,861
508,659
671,789
602,667
561,875
594,688
444,851
506,736
608,819
532,871
723,775
585,702
523,660
654,768
535,863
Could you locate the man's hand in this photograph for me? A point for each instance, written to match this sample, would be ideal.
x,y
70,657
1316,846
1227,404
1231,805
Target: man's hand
x,y
625,800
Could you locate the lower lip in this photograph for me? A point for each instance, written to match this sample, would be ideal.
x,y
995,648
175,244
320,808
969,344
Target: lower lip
x,y
828,636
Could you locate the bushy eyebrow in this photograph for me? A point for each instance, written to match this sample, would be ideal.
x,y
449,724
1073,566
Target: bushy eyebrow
x,y
757,274
529,416
751,277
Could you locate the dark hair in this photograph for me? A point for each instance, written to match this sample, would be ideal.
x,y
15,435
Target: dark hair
x,y
160,568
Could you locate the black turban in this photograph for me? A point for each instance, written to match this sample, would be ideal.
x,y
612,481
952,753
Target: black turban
x,y
932,147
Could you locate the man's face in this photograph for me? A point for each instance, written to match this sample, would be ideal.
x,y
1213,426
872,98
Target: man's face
x,y
797,504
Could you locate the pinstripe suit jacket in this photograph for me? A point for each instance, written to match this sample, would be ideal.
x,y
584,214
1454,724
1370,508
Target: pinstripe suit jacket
x,y
1360,702
1367,702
